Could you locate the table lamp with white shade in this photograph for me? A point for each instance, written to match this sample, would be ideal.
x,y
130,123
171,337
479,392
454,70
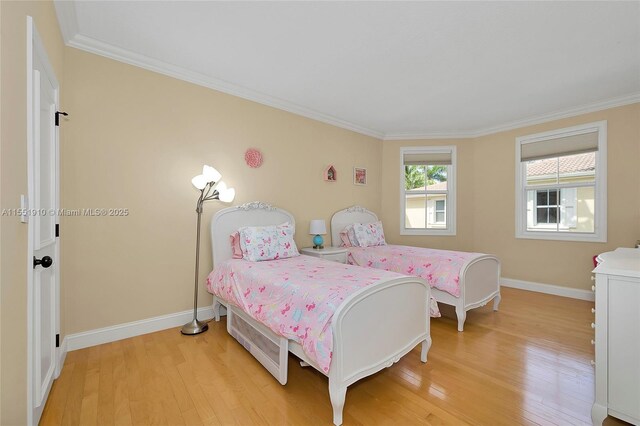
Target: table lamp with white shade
x,y
211,188
318,227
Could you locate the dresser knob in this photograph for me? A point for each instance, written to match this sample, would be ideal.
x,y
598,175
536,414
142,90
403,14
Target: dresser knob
x,y
593,342
593,310
593,288
593,278
593,325
593,362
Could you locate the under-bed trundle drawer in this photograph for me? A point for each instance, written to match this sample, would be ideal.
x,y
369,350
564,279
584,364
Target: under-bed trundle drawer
x,y
267,347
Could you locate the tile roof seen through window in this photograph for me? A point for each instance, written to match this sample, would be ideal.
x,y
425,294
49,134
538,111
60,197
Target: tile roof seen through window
x,y
435,187
570,164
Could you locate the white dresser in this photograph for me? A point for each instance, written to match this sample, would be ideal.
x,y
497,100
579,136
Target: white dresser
x,y
617,331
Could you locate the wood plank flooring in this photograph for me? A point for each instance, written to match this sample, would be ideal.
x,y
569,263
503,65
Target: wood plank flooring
x,y
527,364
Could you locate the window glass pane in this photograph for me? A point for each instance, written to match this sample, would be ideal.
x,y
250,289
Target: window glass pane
x,y
414,178
577,211
541,216
577,168
542,198
415,211
436,217
572,208
436,176
542,172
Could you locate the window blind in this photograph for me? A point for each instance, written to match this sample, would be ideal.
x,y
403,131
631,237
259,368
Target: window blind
x,y
557,147
427,158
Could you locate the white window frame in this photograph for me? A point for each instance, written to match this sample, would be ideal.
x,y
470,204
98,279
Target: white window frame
x,y
600,189
450,204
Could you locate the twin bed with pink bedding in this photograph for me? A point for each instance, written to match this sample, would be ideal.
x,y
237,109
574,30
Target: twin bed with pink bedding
x,y
347,322
461,279
296,297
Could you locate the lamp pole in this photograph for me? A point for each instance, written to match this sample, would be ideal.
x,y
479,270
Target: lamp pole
x,y
195,326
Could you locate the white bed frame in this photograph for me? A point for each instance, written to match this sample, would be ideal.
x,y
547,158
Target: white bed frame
x,y
479,277
364,340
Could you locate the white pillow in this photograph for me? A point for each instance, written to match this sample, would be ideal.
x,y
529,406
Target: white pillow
x,y
369,234
286,244
351,236
268,242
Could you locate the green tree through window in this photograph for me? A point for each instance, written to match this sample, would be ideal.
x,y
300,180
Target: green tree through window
x,y
415,176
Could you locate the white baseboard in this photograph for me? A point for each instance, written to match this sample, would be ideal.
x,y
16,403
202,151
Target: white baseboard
x,y
99,336
574,293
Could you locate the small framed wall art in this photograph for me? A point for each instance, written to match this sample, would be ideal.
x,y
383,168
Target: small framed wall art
x,y
330,174
359,176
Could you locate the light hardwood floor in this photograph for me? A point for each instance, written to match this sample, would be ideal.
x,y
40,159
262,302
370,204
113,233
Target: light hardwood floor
x,y
529,363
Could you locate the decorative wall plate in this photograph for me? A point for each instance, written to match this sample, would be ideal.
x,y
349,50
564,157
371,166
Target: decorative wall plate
x,y
253,158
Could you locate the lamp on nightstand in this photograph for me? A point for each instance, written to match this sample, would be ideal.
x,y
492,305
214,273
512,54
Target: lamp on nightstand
x,y
211,188
318,228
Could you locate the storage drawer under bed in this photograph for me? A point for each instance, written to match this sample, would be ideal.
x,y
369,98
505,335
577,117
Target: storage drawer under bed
x,y
267,347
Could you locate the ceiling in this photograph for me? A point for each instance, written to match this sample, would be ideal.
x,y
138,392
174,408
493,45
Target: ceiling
x,y
393,70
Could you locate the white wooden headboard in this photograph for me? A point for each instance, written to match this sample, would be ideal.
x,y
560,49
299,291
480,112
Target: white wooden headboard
x,y
354,214
227,221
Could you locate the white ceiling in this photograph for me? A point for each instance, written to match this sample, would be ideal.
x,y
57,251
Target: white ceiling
x,y
393,70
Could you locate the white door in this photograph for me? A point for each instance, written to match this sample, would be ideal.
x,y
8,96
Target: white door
x,y
43,242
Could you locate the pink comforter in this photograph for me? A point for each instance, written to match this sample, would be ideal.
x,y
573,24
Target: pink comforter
x,y
440,268
296,297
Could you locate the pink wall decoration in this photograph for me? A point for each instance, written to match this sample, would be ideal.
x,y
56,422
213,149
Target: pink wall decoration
x,y
330,174
253,157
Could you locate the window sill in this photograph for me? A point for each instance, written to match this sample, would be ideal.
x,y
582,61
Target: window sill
x,y
431,232
562,236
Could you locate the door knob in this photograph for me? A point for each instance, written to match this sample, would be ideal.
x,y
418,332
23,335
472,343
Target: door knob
x,y
46,261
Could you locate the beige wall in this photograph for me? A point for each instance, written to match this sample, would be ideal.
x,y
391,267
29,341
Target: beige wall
x,y
13,167
486,192
135,139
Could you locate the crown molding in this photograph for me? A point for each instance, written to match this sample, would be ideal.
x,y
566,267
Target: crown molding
x,y
66,12
571,112
122,55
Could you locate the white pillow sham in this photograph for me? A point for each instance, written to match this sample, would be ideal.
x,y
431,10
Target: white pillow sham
x,y
369,234
272,242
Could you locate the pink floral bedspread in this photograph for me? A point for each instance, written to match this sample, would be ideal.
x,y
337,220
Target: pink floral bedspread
x,y
296,297
440,268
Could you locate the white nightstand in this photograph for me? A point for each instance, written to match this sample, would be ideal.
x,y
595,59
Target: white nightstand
x,y
335,254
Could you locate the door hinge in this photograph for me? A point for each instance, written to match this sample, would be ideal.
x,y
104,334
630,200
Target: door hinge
x,y
57,340
58,114
57,229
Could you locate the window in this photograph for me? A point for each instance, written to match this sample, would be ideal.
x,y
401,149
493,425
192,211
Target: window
x,y
427,190
546,206
561,184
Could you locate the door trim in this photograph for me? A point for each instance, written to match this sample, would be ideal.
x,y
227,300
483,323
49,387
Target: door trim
x,y
36,50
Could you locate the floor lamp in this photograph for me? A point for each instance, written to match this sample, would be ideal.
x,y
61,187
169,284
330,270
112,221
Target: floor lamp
x,y
211,188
